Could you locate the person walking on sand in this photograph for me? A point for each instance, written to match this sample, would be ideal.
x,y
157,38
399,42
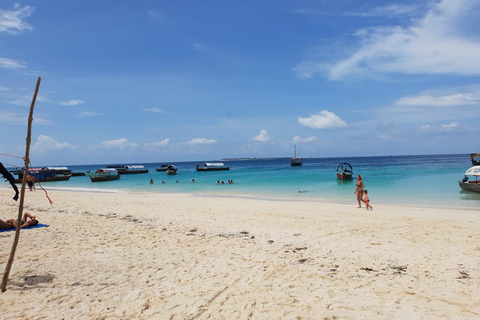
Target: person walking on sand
x,y
31,183
359,190
366,199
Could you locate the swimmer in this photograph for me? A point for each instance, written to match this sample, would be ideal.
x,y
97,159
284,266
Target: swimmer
x,y
151,181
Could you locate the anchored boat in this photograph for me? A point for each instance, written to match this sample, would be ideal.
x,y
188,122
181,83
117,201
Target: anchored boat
x,y
344,171
471,185
171,169
212,167
295,162
44,174
102,174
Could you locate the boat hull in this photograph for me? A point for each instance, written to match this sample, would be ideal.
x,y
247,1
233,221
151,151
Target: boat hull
x,y
344,175
48,179
133,171
470,186
104,178
296,162
212,169
171,172
161,169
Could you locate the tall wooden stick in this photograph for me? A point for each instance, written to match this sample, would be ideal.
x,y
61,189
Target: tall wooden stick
x,y
22,194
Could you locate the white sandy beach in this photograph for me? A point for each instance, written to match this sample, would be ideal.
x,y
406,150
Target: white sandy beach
x,y
157,256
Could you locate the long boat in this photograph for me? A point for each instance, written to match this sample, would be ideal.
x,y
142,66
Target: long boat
x,y
471,185
171,169
212,167
45,174
106,174
344,171
128,169
134,170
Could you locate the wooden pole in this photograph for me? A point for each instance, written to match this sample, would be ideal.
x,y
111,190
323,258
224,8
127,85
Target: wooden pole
x,y
22,194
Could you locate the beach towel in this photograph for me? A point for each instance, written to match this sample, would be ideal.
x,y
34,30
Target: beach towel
x,y
40,225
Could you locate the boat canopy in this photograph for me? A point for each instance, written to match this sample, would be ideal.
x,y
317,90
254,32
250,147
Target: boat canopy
x,y
219,164
55,168
473,171
135,167
344,167
108,170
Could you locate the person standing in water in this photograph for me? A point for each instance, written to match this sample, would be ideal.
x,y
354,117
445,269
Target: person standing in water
x,y
359,190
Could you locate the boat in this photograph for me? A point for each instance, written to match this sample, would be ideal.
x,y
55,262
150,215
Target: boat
x,y
162,168
471,185
475,157
128,169
78,174
45,174
212,167
344,171
134,169
171,169
120,168
295,162
104,174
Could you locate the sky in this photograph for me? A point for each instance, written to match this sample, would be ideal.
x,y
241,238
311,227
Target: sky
x,y
156,81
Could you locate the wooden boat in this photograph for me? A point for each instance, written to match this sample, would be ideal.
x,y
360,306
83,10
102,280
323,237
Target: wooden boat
x,y
134,170
212,167
475,157
344,171
107,174
78,174
296,162
118,167
162,168
471,185
45,174
171,169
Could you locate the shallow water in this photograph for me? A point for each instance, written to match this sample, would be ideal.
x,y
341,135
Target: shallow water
x,y
411,180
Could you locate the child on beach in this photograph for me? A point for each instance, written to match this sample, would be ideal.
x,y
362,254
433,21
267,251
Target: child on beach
x,y
366,199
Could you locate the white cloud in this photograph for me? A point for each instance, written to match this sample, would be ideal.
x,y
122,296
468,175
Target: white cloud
x,y
154,110
87,114
436,44
322,120
262,136
121,143
46,143
451,125
4,88
309,139
157,145
16,118
202,141
157,17
460,99
426,127
62,103
387,11
11,64
13,22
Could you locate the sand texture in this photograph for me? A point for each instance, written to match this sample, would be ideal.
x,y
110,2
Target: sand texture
x,y
159,256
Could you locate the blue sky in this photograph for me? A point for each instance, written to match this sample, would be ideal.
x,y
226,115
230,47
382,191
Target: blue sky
x,y
148,81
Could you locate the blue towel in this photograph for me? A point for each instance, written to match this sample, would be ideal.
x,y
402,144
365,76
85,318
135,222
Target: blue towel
x,y
40,225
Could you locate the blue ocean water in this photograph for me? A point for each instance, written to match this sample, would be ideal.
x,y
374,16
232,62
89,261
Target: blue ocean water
x,y
411,180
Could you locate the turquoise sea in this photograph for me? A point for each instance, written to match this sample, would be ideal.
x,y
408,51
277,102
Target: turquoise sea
x,y
429,180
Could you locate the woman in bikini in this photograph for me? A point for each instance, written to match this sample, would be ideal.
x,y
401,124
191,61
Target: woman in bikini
x,y
359,190
25,223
